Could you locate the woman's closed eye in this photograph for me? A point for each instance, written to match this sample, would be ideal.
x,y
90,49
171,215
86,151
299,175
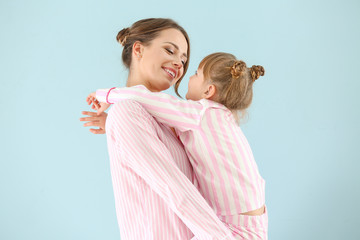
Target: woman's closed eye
x,y
169,51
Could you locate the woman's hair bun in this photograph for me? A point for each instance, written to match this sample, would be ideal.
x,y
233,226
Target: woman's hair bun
x,y
122,36
256,71
237,68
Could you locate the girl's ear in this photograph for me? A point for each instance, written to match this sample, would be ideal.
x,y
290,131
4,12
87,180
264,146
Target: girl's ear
x,y
210,92
138,49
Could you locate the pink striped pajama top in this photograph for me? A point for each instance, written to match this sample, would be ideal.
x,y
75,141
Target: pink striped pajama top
x,y
152,181
226,173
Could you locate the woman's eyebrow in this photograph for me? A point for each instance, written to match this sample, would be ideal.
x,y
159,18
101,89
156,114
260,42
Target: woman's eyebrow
x,y
176,46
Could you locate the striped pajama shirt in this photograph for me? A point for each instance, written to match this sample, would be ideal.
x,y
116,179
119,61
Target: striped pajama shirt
x,y
225,171
152,181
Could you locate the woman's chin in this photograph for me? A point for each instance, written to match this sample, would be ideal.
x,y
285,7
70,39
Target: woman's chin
x,y
163,86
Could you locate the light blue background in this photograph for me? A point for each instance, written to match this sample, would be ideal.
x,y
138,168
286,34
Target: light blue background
x,y
55,179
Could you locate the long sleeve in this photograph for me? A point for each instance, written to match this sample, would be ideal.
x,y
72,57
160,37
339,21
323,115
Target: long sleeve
x,y
138,149
181,114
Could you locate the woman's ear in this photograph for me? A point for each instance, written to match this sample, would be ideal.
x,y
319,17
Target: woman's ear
x,y
138,49
210,91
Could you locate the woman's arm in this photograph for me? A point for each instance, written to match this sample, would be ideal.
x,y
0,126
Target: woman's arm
x,y
180,114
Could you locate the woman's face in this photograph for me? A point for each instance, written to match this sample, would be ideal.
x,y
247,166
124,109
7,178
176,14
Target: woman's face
x,y
162,62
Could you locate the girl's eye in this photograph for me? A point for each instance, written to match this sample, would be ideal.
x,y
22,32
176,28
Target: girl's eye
x,y
183,63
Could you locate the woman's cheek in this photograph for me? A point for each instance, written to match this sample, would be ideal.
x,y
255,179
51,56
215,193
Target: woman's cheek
x,y
181,72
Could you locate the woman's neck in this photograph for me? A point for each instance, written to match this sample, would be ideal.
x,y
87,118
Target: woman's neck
x,y
133,82
136,79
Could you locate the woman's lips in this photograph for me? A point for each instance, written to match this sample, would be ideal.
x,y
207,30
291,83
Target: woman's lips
x,y
171,72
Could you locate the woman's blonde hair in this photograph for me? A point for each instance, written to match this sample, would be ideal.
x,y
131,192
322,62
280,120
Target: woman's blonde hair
x,y
232,78
145,31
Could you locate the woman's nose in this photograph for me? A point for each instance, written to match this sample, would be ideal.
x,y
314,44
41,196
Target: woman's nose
x,y
177,63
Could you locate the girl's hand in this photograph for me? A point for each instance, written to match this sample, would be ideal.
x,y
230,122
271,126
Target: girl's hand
x,y
96,120
96,105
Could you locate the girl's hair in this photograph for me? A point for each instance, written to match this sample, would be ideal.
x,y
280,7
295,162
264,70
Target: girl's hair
x,y
145,31
232,78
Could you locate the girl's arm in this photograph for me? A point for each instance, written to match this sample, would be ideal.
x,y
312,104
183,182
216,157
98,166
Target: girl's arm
x,y
180,114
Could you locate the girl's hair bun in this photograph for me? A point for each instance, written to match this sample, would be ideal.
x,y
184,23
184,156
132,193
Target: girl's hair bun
x,y
237,69
256,71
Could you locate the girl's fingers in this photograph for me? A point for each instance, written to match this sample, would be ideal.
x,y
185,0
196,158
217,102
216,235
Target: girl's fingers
x,y
89,100
96,103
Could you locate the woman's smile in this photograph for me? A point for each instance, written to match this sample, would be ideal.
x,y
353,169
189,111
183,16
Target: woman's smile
x,y
171,72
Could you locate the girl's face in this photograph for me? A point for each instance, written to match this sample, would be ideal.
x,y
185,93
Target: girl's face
x,y
197,86
162,62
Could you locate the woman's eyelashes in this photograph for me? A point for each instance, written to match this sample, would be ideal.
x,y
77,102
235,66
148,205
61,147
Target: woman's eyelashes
x,y
171,52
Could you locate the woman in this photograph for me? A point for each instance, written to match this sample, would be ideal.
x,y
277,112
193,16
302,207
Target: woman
x,y
152,176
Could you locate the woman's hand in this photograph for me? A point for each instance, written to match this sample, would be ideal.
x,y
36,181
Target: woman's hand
x,y
96,120
96,105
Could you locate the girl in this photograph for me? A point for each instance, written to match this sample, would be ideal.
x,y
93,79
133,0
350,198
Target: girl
x,y
225,170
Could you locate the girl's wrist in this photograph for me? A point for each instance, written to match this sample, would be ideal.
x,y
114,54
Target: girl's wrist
x,y
107,95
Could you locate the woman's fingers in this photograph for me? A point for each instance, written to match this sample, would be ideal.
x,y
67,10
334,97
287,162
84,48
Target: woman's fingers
x,y
97,131
89,119
96,120
94,117
93,114
92,123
